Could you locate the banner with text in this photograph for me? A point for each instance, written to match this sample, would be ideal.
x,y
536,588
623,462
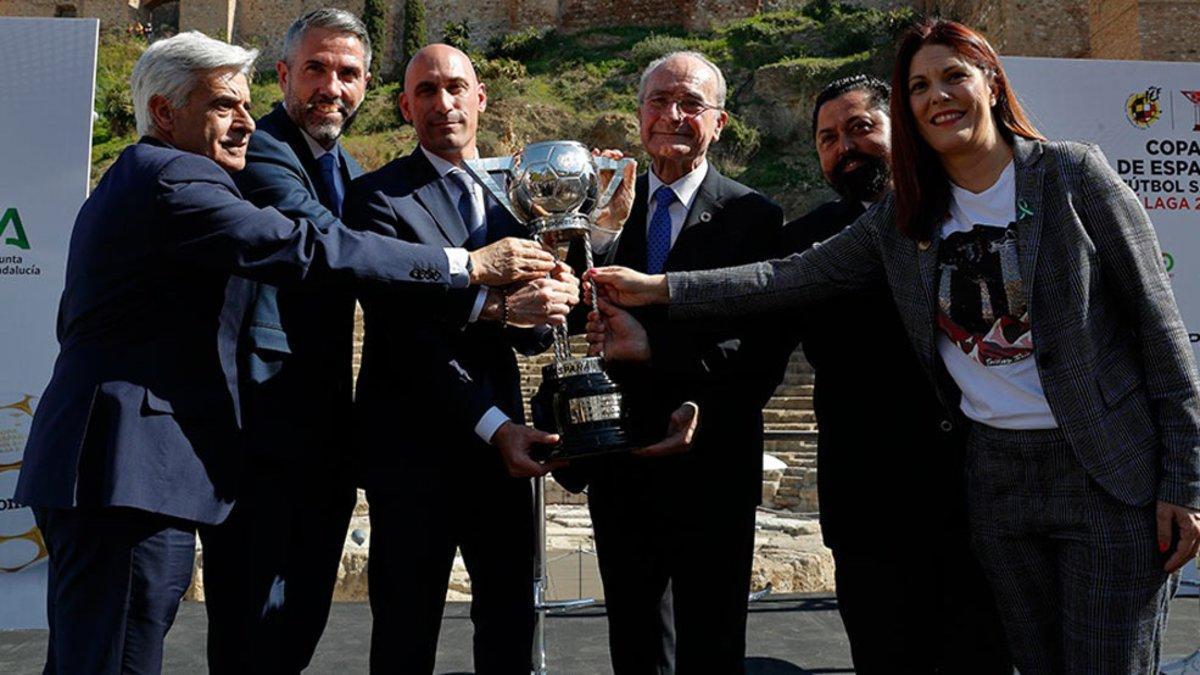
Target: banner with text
x,y
45,162
1145,116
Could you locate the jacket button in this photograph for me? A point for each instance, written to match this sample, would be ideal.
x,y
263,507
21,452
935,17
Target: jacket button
x,y
946,426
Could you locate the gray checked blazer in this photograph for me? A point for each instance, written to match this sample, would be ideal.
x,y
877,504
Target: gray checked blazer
x,y
1110,347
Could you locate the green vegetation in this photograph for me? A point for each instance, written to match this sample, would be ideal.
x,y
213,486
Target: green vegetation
x,y
542,85
374,16
414,28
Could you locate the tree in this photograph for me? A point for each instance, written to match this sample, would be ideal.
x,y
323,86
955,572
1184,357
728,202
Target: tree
x,y
414,27
375,19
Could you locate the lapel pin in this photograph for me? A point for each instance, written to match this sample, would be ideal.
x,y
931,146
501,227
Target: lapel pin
x,y
705,216
1023,210
924,245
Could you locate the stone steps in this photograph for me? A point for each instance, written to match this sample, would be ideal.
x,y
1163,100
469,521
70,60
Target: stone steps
x,y
788,554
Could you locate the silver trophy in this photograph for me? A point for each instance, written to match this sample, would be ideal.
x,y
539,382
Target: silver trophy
x,y
553,188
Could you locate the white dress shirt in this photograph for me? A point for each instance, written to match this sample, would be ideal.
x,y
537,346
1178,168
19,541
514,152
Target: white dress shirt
x,y
685,189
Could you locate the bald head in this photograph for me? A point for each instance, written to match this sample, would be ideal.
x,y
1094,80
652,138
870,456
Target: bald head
x,y
442,98
438,56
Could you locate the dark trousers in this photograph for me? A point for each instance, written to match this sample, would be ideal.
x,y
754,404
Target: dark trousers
x,y
271,567
645,547
1076,573
414,533
116,577
919,608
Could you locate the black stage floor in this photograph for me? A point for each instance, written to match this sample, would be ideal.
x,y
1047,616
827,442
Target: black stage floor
x,y
787,634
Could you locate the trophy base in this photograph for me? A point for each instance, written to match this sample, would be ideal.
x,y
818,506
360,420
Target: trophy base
x,y
583,406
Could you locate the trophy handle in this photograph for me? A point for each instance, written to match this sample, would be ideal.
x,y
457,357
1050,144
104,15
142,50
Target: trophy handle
x,y
617,166
481,170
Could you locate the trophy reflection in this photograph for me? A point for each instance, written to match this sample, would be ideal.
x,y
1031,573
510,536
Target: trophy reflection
x,y
553,188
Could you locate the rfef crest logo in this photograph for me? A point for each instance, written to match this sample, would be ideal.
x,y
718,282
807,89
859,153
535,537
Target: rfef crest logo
x,y
12,232
1142,107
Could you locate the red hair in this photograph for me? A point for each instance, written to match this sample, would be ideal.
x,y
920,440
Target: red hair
x,y
922,186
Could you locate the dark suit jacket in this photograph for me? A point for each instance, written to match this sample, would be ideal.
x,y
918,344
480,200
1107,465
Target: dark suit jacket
x,y
881,438
1111,349
298,345
427,374
730,370
142,409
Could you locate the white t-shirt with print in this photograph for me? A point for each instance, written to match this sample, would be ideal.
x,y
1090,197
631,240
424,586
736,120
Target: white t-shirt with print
x,y
983,311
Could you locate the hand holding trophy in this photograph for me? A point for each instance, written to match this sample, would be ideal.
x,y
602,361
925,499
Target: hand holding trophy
x,y
553,188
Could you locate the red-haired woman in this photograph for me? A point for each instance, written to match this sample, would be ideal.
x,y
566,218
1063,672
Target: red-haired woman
x,y
1032,286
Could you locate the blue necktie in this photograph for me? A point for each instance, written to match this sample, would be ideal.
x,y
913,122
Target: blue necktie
x,y
331,182
658,235
469,210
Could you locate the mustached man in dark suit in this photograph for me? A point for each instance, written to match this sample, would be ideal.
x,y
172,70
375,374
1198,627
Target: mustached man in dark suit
x,y
445,447
686,216
137,440
913,599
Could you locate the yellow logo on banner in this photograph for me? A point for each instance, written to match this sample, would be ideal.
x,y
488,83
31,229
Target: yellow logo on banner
x,y
1142,107
21,544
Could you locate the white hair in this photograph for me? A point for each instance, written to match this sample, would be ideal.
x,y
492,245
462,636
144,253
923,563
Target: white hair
x,y
720,102
170,67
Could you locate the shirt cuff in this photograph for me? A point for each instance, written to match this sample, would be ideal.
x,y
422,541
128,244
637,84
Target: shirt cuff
x,y
489,423
477,308
457,259
602,238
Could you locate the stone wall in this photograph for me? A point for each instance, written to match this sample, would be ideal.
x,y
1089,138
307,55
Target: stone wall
x,y
691,14
1114,29
1157,30
1169,29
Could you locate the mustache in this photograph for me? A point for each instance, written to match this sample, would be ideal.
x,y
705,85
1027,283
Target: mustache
x,y
863,159
235,137
341,104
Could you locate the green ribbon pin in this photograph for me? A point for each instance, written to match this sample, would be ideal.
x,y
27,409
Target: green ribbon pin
x,y
1023,210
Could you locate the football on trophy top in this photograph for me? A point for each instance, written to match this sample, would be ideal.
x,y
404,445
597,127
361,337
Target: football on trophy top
x,y
553,188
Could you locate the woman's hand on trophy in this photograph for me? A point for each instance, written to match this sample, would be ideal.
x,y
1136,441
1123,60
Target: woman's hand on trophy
x,y
508,260
680,433
614,214
615,334
629,288
516,445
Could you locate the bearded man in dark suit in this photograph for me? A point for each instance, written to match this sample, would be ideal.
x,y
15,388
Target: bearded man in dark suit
x,y
276,558
138,439
912,599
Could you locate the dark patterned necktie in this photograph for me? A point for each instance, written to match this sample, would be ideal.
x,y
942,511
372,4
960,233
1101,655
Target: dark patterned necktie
x,y
658,235
332,188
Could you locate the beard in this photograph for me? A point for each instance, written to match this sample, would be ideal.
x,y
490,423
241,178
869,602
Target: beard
x,y
323,132
864,183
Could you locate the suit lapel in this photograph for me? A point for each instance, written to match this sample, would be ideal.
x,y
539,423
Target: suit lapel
x,y
432,195
927,268
350,167
291,134
708,200
631,246
1027,156
705,207
500,223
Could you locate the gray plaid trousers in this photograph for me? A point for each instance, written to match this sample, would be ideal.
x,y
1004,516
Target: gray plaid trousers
x,y
1077,574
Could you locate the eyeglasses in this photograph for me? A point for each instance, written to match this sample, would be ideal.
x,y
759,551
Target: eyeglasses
x,y
688,107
